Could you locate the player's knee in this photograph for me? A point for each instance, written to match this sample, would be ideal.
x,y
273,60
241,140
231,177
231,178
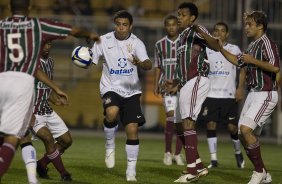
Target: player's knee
x,y
170,114
232,128
245,131
110,124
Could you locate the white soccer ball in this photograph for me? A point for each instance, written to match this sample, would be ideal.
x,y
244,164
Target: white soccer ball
x,y
82,56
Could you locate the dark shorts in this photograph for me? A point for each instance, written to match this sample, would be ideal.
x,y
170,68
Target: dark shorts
x,y
129,108
220,110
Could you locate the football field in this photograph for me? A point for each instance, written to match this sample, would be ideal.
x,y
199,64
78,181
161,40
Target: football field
x,y
85,161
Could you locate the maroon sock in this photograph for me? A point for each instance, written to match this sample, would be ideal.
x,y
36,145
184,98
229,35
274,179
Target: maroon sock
x,y
56,160
254,154
7,153
190,137
199,165
168,136
44,161
178,146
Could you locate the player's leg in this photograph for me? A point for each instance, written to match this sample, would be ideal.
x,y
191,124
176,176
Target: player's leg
x,y
212,142
111,103
52,152
230,114
132,150
257,108
233,129
7,152
29,158
192,96
16,102
168,132
132,121
64,142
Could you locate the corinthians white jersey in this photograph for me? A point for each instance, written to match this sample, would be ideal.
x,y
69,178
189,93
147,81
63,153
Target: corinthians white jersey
x,y
222,73
119,74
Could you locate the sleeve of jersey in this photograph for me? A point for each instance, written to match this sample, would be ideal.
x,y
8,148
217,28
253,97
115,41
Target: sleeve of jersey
x,y
156,57
271,53
140,51
97,52
54,30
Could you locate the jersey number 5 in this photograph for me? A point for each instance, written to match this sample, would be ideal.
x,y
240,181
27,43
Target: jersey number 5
x,y
12,46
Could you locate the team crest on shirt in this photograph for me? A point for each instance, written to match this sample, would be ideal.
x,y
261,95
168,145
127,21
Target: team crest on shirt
x,y
122,62
107,100
129,48
218,65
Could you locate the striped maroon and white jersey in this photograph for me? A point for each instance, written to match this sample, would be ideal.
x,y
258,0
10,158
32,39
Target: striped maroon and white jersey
x,y
22,39
191,55
42,91
265,50
165,58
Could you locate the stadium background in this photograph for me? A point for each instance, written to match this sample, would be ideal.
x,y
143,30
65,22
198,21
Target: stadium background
x,y
82,85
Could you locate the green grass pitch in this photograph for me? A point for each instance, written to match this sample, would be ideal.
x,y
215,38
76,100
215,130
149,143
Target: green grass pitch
x,y
85,160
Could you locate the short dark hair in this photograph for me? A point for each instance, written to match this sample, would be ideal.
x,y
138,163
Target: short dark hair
x,y
191,6
259,18
222,24
169,17
123,14
19,5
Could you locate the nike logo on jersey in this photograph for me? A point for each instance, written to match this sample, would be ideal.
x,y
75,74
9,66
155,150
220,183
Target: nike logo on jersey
x,y
139,117
111,47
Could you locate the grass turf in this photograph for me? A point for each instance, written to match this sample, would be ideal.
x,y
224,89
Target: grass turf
x,y
85,160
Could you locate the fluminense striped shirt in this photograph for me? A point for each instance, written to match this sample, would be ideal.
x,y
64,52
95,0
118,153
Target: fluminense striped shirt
x,y
266,50
165,58
42,91
22,39
191,55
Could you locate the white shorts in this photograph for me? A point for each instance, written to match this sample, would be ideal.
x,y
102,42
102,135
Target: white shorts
x,y
257,108
171,104
16,102
53,122
192,96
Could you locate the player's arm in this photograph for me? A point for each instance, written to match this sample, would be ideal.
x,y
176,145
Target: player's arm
x,y
240,91
40,75
264,65
83,33
156,81
230,57
211,41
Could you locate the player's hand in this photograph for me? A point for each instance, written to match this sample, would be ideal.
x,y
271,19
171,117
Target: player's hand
x,y
95,37
247,58
134,60
171,87
59,98
32,120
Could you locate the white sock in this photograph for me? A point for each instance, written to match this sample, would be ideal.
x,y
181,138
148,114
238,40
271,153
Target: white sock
x,y
29,158
110,137
236,145
213,147
132,154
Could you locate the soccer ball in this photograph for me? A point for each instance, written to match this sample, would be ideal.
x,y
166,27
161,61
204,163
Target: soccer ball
x,y
82,56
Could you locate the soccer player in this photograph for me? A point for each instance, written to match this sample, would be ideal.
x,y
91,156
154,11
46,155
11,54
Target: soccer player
x,y
48,126
221,103
165,64
20,46
120,87
261,65
193,83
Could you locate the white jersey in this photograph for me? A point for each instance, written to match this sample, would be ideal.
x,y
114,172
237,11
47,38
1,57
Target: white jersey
x,y
222,73
119,74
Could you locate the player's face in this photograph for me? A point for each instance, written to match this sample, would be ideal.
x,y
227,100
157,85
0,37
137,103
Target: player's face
x,y
171,27
46,49
184,18
251,28
122,28
220,32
